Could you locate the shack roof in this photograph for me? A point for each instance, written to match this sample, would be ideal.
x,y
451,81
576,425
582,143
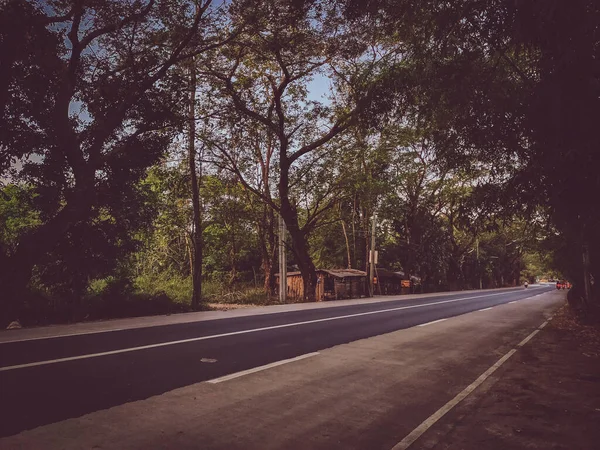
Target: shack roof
x,y
384,273
338,273
344,273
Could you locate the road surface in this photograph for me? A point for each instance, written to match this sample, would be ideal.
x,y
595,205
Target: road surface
x,y
205,385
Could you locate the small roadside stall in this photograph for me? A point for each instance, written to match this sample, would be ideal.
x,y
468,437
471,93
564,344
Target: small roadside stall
x,y
332,284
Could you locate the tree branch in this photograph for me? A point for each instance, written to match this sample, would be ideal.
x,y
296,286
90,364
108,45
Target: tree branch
x,y
87,40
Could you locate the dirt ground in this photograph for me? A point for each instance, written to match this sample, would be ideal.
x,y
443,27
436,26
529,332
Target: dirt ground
x,y
229,306
547,396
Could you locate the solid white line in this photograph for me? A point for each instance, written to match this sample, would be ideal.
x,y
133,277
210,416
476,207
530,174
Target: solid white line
x,y
234,333
510,303
258,369
83,333
484,309
423,427
543,325
431,323
528,338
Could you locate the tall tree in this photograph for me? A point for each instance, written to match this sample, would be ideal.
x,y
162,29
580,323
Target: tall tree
x,y
89,103
514,85
264,76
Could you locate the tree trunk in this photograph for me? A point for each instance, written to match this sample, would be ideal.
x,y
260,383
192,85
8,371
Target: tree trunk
x,y
307,267
298,237
269,264
587,287
347,244
266,236
299,243
233,259
197,221
354,209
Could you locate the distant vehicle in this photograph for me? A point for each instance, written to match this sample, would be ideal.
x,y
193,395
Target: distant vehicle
x,y
526,284
561,284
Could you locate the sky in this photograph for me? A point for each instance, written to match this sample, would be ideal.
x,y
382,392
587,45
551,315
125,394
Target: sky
x,y
318,88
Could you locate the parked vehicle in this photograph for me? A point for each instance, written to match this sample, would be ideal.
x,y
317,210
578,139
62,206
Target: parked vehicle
x,y
561,284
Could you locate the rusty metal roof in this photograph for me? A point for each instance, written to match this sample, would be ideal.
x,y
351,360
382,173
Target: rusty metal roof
x,y
344,273
384,273
338,273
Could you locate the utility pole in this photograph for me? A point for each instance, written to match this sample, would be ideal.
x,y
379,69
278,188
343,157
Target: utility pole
x,y
282,263
372,258
194,186
478,268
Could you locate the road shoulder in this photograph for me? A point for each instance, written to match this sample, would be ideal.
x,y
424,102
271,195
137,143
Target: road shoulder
x,y
547,396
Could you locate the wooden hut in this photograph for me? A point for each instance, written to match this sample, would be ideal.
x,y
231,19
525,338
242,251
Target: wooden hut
x,y
394,283
332,284
388,282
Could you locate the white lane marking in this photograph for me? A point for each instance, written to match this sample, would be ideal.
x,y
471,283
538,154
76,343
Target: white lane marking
x,y
424,426
431,323
484,309
510,303
526,340
234,333
543,325
83,333
260,368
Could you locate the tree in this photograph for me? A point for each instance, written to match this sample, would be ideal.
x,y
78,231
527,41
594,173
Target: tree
x,y
89,103
262,78
167,243
231,237
513,85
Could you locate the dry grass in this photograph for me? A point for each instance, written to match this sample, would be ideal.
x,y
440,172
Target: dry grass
x,y
228,306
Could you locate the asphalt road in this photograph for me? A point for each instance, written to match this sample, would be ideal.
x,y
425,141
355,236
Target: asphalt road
x,y
38,386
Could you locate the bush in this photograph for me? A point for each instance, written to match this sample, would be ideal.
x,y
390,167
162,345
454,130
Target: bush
x,y
243,295
119,296
177,288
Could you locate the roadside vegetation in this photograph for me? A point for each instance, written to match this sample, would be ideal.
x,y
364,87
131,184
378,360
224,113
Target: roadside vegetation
x,y
148,149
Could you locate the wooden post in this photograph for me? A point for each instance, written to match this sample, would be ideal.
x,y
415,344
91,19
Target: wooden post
x,y
478,268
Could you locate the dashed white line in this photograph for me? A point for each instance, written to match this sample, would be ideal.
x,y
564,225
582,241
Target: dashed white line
x,y
260,368
431,323
431,420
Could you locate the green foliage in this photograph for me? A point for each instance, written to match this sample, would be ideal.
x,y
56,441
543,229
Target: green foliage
x,y
166,244
174,286
17,215
89,100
